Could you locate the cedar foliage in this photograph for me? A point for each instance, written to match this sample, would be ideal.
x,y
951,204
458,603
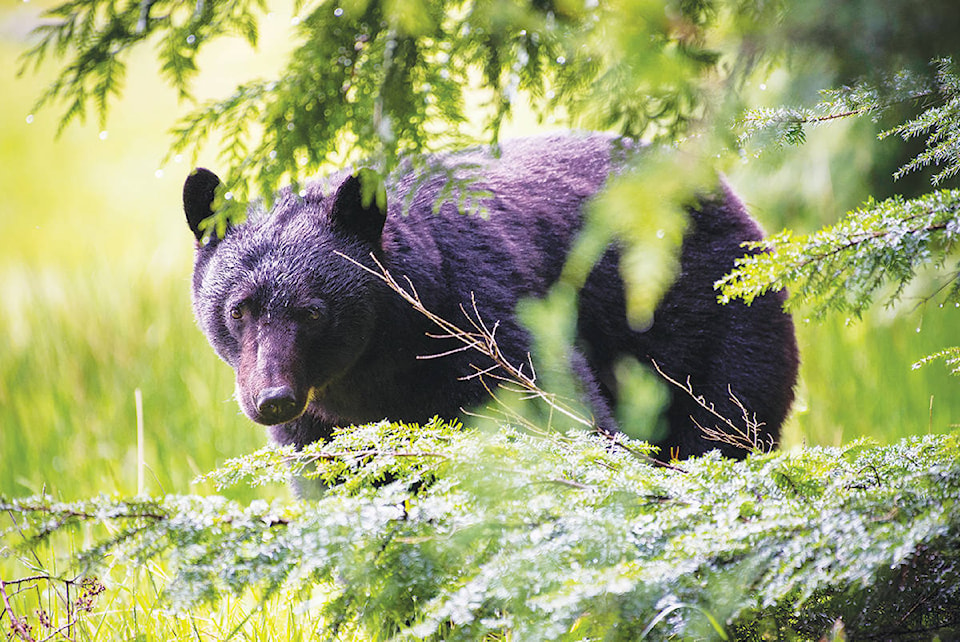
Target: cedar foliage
x,y
881,247
441,532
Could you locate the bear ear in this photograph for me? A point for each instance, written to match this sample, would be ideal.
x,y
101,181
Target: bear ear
x,y
360,205
199,191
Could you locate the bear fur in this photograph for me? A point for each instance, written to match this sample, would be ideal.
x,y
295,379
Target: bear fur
x,y
317,342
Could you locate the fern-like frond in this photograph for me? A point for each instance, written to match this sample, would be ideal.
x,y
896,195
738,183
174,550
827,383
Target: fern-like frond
x,y
950,357
435,533
784,126
842,267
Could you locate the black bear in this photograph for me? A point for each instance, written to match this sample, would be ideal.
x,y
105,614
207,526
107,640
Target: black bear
x,y
317,342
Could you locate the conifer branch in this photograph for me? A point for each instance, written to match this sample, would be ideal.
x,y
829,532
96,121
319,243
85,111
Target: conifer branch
x,y
786,125
466,539
843,266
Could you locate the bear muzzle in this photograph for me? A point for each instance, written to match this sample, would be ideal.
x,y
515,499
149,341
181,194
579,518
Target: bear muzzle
x,y
278,405
270,386
270,404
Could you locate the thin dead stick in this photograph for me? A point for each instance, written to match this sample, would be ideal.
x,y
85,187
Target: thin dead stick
x,y
750,438
481,338
17,626
512,378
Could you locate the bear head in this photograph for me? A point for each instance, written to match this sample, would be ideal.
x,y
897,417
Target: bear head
x,y
277,299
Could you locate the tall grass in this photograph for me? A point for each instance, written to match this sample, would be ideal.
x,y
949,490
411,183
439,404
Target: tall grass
x,y
857,379
95,259
79,345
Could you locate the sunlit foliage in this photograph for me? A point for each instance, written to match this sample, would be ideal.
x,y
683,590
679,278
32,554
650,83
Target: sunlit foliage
x,y
437,532
878,249
374,79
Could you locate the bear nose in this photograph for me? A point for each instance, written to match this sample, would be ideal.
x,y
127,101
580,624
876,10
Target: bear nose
x,y
277,405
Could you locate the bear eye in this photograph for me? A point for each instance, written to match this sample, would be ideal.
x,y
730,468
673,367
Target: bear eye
x,y
314,312
236,312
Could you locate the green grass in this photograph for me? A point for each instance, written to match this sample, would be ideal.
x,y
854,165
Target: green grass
x,y
80,344
132,608
95,260
857,379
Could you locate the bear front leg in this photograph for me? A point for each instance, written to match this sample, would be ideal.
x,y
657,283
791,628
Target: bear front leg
x,y
590,389
305,429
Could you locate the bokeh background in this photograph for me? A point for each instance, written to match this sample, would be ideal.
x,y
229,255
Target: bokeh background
x,y
95,262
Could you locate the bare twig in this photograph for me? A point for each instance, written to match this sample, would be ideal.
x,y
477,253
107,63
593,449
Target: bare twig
x,y
480,337
749,437
508,376
90,588
18,627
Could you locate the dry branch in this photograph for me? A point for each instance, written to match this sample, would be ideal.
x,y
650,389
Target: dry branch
x,y
481,338
508,376
748,437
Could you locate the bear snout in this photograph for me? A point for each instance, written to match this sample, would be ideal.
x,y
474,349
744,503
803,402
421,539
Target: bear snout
x,y
278,405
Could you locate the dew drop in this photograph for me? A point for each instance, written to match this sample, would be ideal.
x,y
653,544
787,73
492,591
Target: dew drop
x,y
290,127
104,134
918,330
561,60
763,86
228,196
158,173
191,39
272,154
302,193
338,12
29,116
661,234
178,158
294,21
